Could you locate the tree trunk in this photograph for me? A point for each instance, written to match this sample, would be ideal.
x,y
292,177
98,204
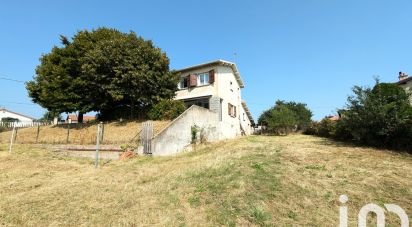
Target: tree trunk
x,y
80,118
132,110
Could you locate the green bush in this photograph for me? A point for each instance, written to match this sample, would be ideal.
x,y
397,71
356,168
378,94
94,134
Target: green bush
x,y
327,128
380,117
324,128
285,117
167,110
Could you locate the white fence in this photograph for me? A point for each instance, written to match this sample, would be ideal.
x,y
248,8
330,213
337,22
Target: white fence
x,y
23,124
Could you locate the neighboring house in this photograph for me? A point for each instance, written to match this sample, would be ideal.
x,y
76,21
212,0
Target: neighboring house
x,y
217,86
72,119
405,82
7,114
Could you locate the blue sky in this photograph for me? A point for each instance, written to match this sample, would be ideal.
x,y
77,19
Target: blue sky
x,y
310,51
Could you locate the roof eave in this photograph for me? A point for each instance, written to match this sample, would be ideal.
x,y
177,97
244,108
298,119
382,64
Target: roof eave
x,y
248,113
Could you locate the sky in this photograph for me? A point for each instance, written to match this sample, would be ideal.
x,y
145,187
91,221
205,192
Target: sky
x,y
310,51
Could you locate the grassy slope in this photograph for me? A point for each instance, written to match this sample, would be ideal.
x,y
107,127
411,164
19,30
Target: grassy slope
x,y
294,180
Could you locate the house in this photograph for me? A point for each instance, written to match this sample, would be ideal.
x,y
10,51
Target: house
x,y
72,119
212,92
217,86
405,81
7,115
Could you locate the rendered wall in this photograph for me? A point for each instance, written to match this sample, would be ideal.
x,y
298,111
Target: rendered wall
x,y
178,135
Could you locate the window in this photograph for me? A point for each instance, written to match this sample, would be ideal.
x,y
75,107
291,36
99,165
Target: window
x,y
203,78
231,110
199,102
183,83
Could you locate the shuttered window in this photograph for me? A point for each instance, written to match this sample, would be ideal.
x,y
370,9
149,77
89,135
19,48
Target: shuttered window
x,y
192,80
231,110
211,76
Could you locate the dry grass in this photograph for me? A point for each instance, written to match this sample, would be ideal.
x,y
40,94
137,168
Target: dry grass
x,y
252,181
114,133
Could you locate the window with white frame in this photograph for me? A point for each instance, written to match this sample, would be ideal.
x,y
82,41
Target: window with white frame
x,y
203,79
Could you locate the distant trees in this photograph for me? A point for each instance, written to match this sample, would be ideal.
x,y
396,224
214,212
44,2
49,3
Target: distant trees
x,y
103,70
380,116
285,117
49,116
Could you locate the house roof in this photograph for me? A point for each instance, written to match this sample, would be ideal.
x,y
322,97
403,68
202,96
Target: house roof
x,y
334,118
73,117
4,109
249,114
219,63
404,81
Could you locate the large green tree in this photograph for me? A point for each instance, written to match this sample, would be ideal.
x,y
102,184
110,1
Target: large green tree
x,y
102,70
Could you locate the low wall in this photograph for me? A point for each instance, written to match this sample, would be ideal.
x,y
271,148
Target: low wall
x,y
178,134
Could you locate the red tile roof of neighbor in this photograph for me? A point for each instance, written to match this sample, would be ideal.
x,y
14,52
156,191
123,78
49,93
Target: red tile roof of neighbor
x,y
334,118
403,78
404,81
73,117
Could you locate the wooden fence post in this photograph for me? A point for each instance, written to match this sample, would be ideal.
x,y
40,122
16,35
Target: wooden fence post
x,y
38,132
15,134
68,133
102,133
98,135
12,139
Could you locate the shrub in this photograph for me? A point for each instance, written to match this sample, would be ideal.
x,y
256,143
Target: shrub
x,y
285,117
326,128
380,117
166,110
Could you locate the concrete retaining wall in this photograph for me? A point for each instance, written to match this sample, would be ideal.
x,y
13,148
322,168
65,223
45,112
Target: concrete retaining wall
x,y
178,134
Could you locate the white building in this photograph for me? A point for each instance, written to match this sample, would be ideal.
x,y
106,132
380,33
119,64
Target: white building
x,y
217,86
7,114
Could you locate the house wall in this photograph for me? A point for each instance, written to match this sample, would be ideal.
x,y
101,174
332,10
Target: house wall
x,y
245,122
5,114
408,88
229,91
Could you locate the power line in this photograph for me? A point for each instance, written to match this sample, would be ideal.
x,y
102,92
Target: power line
x,y
9,79
18,103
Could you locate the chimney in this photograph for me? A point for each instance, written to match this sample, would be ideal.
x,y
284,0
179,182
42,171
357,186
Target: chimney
x,y
402,76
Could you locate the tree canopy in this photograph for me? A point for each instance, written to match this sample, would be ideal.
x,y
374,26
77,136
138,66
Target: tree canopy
x,y
286,116
381,116
102,70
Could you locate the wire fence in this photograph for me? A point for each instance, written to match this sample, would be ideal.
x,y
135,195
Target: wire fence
x,y
23,124
114,133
